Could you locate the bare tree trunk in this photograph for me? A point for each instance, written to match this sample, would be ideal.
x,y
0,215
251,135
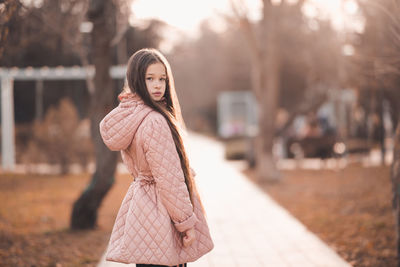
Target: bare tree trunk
x,y
395,175
269,94
265,77
9,10
84,213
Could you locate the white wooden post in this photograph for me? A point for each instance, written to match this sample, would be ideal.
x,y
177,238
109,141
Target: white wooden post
x,y
7,124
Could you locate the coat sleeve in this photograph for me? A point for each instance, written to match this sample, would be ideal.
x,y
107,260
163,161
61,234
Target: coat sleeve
x,y
163,159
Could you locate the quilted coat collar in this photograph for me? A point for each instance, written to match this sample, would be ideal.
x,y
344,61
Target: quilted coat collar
x,y
119,126
127,97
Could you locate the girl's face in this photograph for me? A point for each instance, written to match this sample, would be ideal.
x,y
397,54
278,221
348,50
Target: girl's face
x,y
156,80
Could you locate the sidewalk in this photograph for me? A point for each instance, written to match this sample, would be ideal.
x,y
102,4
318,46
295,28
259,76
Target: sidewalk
x,y
247,226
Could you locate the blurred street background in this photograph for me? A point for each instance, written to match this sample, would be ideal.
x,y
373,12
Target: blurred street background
x,y
302,96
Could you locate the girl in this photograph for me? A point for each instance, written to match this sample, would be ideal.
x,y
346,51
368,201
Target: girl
x,y
161,221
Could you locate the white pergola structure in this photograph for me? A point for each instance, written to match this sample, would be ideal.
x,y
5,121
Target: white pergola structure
x,y
7,78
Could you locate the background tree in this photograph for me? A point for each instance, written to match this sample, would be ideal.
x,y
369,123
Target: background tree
x,y
266,66
102,14
377,54
280,36
8,10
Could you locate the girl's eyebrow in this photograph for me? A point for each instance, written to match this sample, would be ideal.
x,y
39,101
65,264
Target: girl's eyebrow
x,y
154,74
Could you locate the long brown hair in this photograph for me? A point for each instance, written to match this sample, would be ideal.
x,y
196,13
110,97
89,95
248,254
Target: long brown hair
x,y
135,75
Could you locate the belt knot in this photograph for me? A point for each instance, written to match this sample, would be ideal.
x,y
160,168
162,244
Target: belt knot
x,y
145,179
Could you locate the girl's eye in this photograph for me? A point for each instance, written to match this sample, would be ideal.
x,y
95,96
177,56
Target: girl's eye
x,y
162,79
149,78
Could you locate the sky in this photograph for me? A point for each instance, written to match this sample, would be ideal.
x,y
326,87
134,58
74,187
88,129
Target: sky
x,y
185,16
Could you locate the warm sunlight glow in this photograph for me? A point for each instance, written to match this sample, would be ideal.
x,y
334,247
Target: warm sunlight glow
x,y
343,13
185,17
182,15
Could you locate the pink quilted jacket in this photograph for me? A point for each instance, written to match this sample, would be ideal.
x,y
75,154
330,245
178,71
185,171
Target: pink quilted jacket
x,y
156,209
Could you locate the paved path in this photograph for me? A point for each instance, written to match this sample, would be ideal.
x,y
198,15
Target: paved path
x,y
247,226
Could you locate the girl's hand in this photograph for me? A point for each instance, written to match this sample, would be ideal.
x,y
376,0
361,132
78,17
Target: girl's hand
x,y
189,238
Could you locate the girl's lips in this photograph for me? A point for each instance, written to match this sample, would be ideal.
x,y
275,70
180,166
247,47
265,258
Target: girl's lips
x,y
156,93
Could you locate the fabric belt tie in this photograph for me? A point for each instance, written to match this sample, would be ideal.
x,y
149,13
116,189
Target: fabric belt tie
x,y
146,183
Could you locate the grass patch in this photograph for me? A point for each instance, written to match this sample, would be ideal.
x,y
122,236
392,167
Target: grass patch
x,y
34,220
350,210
